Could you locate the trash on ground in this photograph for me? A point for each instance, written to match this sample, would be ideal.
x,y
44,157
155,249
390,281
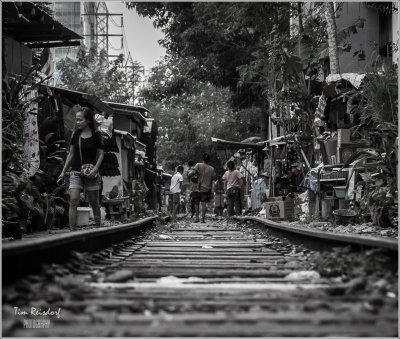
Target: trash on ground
x,y
303,275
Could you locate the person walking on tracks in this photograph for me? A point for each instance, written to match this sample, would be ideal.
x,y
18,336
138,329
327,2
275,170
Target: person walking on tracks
x,y
204,186
175,189
233,181
219,196
86,153
193,177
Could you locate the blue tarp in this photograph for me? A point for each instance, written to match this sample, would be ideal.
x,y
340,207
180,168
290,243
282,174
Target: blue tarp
x,y
310,181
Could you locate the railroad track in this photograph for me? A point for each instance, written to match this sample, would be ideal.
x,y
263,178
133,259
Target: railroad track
x,y
193,279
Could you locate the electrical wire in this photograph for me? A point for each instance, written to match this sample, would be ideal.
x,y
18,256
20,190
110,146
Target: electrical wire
x,y
110,45
115,24
128,54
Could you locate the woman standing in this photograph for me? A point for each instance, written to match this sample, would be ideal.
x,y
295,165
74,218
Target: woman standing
x,y
86,147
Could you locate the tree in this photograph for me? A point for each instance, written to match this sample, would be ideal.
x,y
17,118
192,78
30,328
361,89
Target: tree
x,y
242,45
190,112
332,42
91,73
221,38
252,49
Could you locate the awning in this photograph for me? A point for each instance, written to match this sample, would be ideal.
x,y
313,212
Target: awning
x,y
124,133
133,142
129,111
282,140
142,110
354,78
225,144
127,139
85,99
27,23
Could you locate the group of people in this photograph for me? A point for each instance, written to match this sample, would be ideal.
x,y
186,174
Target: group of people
x,y
202,176
87,150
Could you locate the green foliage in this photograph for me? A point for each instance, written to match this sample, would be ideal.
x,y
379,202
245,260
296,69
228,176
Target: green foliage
x,y
189,113
380,96
376,120
248,48
221,38
380,194
20,198
23,198
212,44
54,205
91,73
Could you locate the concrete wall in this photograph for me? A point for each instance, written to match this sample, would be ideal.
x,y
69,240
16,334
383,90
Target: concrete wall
x,y
365,39
395,33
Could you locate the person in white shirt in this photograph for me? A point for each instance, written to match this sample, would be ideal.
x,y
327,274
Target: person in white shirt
x,y
175,189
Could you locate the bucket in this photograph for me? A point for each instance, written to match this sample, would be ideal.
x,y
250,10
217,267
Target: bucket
x,y
340,191
82,216
344,217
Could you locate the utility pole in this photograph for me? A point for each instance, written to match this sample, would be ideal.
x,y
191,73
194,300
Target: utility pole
x,y
133,67
102,34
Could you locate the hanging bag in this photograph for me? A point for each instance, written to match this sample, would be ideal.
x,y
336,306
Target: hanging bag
x,y
86,169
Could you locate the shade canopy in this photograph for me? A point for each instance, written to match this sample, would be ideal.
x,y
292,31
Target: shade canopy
x,y
30,25
226,144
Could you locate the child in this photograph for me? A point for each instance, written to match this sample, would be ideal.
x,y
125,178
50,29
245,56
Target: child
x,y
219,196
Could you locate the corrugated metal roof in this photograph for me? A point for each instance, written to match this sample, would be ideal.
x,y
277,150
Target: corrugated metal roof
x,y
27,23
236,144
128,110
86,99
138,144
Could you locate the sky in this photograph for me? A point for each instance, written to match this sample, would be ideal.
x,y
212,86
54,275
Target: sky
x,y
141,36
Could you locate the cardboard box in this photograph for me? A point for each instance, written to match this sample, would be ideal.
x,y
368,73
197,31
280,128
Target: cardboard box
x,y
331,151
270,199
343,137
279,208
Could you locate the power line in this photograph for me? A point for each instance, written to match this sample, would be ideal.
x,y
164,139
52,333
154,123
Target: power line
x,y
126,41
112,47
102,35
115,24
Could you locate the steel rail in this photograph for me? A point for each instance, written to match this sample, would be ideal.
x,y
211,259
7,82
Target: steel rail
x,y
339,238
218,279
27,255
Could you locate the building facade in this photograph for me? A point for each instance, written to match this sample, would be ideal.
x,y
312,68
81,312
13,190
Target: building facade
x,y
78,17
